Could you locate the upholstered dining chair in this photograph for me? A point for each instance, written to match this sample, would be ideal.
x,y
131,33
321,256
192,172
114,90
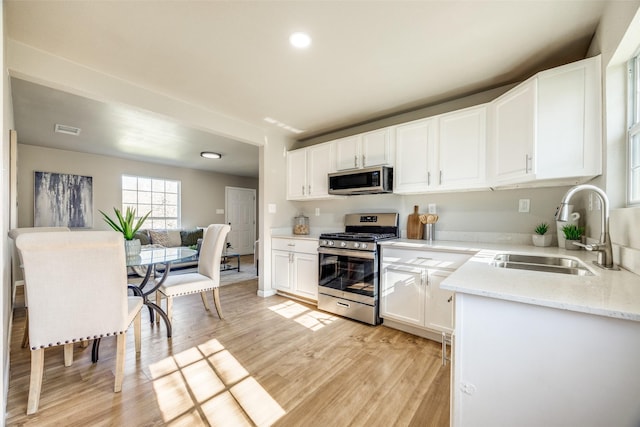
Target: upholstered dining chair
x,y
207,278
16,260
77,290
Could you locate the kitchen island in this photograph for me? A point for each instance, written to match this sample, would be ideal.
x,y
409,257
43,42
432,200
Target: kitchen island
x,y
534,348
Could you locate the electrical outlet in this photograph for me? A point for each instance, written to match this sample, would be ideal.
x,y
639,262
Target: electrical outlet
x,y
524,205
432,208
220,211
271,208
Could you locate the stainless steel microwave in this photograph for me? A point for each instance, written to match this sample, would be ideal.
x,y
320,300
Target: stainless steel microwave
x,y
374,180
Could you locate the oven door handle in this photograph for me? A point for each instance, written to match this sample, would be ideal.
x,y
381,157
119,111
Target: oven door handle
x,y
347,252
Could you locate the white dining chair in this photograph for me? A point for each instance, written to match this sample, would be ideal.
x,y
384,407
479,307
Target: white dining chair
x,y
16,260
207,278
77,290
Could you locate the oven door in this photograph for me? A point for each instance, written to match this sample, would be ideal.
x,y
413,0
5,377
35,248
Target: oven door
x,y
348,274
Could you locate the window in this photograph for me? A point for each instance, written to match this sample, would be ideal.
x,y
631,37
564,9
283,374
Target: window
x,y
634,131
160,196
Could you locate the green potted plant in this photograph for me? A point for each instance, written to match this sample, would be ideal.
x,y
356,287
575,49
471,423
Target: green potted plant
x,y
540,237
128,226
572,233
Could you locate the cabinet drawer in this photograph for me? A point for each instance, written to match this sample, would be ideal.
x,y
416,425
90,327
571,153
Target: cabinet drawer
x,y
449,260
294,245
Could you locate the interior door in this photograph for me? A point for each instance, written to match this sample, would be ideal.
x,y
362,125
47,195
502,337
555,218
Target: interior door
x,y
241,216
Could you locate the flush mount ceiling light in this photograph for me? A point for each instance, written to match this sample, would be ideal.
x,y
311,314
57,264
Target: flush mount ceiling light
x,y
300,40
210,155
66,129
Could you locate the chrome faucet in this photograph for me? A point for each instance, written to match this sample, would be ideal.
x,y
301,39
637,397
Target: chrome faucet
x,y
603,248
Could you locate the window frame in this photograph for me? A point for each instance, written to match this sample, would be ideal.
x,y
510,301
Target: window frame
x,y
153,221
633,130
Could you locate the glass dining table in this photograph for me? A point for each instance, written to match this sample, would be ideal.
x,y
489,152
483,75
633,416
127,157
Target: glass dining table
x,y
152,258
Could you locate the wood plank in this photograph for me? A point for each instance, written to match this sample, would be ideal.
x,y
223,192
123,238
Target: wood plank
x,y
270,361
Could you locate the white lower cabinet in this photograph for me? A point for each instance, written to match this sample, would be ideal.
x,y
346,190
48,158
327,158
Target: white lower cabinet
x,y
294,266
410,290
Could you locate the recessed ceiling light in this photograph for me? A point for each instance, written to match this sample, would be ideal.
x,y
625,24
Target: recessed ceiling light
x,y
300,40
69,130
210,155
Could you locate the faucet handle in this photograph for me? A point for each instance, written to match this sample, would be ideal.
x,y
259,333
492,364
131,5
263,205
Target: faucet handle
x,y
591,246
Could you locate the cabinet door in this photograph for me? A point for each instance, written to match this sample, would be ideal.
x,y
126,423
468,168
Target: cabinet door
x,y
513,120
297,174
402,293
348,153
414,147
461,149
320,163
376,148
305,275
281,270
568,133
439,304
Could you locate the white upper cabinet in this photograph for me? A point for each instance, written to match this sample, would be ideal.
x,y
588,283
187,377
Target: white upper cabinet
x,y
415,146
442,153
548,129
364,150
461,149
308,172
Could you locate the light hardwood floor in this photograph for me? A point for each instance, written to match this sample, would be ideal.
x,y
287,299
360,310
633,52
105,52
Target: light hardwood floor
x,y
272,361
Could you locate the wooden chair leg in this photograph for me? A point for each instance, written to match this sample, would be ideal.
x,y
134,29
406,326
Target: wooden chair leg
x,y
159,304
137,322
68,354
25,335
169,308
216,301
120,353
203,295
35,381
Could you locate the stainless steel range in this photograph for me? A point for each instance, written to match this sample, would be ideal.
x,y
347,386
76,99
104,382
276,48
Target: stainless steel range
x,y
348,284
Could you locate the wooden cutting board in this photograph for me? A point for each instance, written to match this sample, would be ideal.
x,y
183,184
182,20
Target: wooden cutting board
x,y
414,226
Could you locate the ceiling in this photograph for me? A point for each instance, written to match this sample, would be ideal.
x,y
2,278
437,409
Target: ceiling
x,y
367,60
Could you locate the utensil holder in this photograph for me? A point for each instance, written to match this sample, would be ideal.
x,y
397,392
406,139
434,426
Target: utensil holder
x,y
429,231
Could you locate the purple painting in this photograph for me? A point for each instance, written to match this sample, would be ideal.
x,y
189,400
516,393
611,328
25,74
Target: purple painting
x,y
63,200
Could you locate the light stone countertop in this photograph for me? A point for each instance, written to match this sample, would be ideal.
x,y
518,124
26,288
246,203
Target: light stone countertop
x,y
606,293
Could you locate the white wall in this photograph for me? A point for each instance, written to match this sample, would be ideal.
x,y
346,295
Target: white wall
x,y
202,192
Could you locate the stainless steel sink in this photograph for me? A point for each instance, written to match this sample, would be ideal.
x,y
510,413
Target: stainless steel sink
x,y
549,264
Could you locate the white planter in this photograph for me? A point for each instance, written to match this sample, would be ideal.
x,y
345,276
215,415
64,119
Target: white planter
x,y
542,240
132,247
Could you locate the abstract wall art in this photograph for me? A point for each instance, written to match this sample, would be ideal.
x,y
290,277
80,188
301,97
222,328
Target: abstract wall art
x,y
63,200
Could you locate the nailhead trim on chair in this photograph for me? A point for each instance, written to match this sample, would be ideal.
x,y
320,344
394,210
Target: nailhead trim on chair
x,y
189,293
78,340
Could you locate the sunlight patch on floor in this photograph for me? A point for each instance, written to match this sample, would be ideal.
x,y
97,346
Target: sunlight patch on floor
x,y
310,319
208,383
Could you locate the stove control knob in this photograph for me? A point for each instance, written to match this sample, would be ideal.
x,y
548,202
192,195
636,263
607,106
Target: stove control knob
x,y
330,242
323,243
356,245
363,246
343,244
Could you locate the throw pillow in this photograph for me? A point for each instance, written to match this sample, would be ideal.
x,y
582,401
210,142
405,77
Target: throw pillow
x,y
174,239
143,236
190,237
159,237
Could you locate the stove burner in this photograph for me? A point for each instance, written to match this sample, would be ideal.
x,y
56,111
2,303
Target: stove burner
x,y
358,237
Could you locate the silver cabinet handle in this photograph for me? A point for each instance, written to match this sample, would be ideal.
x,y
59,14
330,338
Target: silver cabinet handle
x,y
364,163
527,161
355,161
428,178
440,179
303,190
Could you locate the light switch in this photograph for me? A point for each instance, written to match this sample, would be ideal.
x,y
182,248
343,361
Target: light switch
x,y
271,208
523,205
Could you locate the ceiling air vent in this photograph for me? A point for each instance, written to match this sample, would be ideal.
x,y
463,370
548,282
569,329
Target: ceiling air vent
x,y
69,130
